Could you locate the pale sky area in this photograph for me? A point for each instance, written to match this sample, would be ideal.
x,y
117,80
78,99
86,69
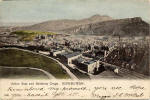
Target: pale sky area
x,y
28,11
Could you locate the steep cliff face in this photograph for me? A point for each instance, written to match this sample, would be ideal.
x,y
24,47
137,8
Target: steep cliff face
x,y
97,25
123,27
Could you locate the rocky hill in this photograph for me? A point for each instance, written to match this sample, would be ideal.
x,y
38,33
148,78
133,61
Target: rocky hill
x,y
58,25
97,25
123,27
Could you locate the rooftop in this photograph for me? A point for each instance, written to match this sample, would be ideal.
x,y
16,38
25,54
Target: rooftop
x,y
55,50
72,54
89,62
80,60
64,53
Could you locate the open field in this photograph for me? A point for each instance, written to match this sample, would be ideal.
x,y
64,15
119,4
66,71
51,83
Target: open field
x,y
19,58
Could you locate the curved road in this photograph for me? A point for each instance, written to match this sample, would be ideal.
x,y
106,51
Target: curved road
x,y
62,65
50,76
65,68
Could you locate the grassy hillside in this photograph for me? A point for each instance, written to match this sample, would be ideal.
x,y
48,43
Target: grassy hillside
x,y
30,35
19,58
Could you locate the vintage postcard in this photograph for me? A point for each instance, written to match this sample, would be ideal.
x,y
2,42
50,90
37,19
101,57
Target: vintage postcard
x,y
74,49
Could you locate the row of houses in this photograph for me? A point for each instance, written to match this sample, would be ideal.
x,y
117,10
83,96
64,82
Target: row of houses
x,y
76,58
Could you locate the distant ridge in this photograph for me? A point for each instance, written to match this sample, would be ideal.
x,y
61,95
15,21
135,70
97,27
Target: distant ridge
x,y
96,25
123,27
58,25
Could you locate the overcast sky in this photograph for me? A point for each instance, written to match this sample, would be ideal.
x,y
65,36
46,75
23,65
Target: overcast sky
x,y
26,11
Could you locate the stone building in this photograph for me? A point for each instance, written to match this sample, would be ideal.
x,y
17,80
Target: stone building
x,y
89,66
69,57
55,52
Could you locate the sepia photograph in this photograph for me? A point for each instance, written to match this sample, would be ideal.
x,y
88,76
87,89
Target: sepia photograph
x,y
74,39
74,49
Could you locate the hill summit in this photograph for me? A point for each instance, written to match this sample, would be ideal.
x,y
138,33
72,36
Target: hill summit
x,y
96,25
